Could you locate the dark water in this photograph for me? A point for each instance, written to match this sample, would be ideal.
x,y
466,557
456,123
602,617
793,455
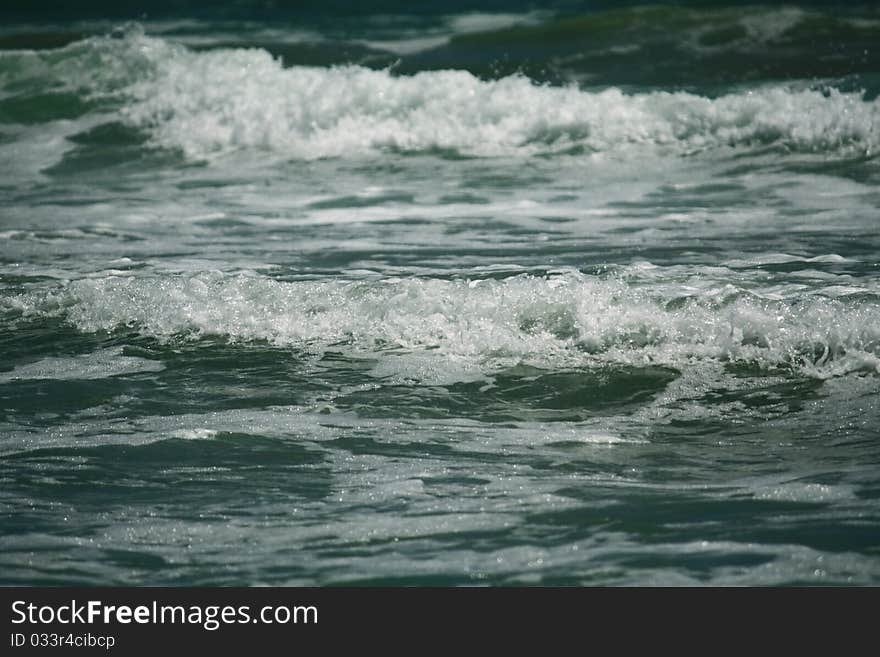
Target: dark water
x,y
499,293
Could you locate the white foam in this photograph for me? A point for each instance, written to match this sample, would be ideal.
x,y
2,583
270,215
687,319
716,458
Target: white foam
x,y
440,330
208,103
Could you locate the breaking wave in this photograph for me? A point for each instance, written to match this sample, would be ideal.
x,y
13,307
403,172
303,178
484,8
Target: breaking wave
x,y
215,102
567,319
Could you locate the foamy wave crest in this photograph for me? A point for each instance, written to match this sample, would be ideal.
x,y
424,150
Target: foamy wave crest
x,y
206,103
564,320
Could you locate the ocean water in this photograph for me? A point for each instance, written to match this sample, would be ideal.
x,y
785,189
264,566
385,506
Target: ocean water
x,y
460,294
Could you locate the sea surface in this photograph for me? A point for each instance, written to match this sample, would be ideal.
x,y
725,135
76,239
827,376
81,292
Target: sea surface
x,y
573,293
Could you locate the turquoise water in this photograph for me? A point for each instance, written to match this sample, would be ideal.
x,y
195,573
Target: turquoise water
x,y
567,294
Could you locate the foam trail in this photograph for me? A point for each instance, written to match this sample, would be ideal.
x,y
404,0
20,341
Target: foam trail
x,y
102,364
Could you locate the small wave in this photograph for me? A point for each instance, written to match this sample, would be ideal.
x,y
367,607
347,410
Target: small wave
x,y
467,328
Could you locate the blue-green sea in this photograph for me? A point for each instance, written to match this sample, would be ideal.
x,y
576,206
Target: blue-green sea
x,y
463,293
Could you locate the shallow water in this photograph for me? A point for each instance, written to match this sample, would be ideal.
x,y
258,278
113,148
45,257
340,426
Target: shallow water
x,y
561,296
